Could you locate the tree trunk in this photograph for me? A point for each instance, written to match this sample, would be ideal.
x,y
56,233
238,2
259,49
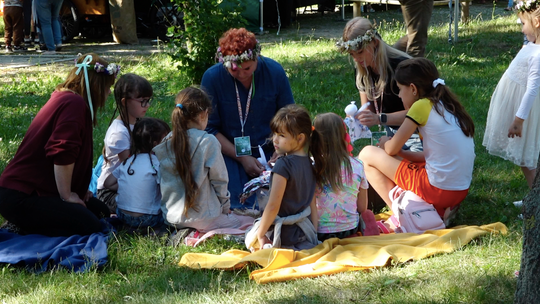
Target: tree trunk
x,y
528,283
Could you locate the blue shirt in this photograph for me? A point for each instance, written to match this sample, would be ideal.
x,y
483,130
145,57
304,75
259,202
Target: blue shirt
x,y
271,92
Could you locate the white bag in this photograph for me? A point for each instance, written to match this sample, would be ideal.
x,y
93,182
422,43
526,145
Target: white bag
x,y
413,213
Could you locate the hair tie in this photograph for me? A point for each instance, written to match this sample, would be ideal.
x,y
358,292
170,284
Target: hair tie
x,y
179,105
437,82
312,128
85,64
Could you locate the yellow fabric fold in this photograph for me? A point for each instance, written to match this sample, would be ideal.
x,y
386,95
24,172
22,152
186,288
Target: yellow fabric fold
x,y
335,255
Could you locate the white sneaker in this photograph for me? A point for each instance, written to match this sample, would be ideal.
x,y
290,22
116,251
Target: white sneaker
x,y
518,204
48,53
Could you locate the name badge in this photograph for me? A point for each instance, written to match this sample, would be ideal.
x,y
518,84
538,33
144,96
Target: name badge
x,y
242,145
376,137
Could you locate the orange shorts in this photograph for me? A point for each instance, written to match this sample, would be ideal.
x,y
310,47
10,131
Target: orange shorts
x,y
413,177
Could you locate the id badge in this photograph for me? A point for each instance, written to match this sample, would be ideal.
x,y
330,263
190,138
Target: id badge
x,y
242,146
376,137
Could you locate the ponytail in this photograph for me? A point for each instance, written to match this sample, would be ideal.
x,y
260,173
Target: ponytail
x,y
190,102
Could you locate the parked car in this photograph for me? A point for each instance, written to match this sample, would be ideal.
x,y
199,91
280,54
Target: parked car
x,y
91,18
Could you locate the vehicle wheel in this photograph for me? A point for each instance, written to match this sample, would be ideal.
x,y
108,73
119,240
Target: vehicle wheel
x,y
69,17
162,16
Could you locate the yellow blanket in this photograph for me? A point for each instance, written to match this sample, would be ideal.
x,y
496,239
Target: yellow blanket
x,y
335,255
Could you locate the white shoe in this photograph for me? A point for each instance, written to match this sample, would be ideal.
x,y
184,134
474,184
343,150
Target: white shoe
x,y
48,53
518,204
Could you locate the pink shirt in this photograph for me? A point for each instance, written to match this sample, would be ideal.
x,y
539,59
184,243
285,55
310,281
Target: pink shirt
x,y
338,211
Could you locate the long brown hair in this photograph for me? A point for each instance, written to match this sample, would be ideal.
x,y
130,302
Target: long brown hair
x,y
422,72
99,83
295,120
189,103
332,129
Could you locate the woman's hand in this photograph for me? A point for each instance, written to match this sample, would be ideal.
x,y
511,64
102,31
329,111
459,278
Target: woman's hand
x,y
368,118
251,165
74,198
88,195
516,127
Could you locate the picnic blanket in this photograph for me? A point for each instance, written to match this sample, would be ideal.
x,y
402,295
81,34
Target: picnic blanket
x,y
340,255
39,253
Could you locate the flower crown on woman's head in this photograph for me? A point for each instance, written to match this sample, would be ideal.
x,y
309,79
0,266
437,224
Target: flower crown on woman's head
x,y
358,43
527,6
231,61
111,69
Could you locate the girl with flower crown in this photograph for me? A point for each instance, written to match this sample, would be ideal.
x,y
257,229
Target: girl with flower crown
x,y
375,63
44,188
512,128
246,91
442,173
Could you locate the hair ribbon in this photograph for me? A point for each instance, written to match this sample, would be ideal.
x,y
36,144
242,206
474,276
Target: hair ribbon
x,y
437,82
85,64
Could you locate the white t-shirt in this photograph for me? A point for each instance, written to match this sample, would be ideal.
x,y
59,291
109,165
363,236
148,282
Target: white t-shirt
x,y
139,192
449,153
116,140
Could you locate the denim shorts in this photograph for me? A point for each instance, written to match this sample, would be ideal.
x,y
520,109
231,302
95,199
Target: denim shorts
x,y
147,220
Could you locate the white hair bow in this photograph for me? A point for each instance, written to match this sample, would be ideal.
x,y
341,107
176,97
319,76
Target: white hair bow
x,y
437,82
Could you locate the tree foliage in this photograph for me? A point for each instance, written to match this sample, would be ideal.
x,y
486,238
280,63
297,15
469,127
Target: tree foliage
x,y
194,44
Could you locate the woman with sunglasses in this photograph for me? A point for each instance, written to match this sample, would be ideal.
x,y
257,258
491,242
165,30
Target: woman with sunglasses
x,y
132,94
246,91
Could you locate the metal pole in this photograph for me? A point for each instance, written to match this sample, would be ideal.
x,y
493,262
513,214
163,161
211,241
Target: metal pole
x,y
456,19
261,28
343,9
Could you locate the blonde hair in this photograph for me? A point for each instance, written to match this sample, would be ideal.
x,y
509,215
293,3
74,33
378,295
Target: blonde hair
x,y
99,83
332,130
529,16
381,54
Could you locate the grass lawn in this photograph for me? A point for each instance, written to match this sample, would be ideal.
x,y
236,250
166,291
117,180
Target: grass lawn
x,y
143,270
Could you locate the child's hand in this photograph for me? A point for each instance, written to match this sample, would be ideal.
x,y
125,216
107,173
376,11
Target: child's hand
x,y
263,240
515,128
382,141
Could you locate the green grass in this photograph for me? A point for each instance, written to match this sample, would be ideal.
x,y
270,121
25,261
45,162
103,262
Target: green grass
x,y
143,270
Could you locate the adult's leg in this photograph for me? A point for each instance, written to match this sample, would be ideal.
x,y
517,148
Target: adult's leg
x,y
18,26
237,179
49,215
43,10
380,170
56,26
8,25
27,6
417,14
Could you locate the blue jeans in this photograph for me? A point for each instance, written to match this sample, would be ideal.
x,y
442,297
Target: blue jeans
x,y
48,12
143,221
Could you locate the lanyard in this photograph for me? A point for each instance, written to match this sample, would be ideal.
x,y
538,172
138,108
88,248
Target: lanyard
x,y
248,104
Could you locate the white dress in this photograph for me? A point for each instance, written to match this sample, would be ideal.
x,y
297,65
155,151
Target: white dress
x,y
516,95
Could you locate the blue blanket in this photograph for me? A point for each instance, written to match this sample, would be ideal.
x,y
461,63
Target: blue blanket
x,y
39,253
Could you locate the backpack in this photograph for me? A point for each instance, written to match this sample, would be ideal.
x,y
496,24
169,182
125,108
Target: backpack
x,y
413,213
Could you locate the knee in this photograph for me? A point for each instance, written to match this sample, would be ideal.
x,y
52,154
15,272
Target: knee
x,y
367,153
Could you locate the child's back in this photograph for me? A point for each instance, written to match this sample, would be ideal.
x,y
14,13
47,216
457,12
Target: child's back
x,y
338,210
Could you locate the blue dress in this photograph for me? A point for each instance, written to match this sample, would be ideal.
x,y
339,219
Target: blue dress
x,y
271,92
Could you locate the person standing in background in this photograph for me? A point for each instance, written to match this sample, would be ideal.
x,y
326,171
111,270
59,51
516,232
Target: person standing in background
x,y
416,15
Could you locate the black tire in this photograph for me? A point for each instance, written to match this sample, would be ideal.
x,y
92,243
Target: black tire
x,y
163,15
69,17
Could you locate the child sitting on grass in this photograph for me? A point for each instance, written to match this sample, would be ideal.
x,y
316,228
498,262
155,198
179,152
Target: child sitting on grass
x,y
137,178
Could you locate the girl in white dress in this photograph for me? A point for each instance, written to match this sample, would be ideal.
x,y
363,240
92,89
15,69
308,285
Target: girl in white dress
x,y
510,133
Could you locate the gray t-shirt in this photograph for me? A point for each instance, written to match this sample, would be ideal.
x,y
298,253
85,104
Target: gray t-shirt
x,y
298,193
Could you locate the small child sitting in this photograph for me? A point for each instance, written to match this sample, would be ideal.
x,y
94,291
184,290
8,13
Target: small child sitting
x,y
137,178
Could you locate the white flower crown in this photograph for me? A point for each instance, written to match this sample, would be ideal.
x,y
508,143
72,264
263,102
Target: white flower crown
x,y
358,43
111,69
527,6
232,60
